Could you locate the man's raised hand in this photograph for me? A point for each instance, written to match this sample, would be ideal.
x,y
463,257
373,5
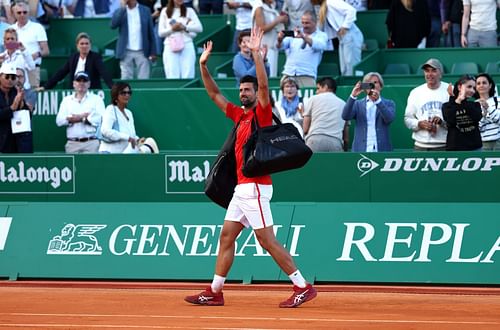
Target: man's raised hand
x,y
255,39
207,50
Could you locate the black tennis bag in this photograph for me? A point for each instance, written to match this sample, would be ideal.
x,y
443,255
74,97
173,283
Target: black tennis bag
x,y
274,149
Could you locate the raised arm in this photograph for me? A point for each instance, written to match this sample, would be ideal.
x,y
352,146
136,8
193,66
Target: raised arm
x,y
260,69
210,85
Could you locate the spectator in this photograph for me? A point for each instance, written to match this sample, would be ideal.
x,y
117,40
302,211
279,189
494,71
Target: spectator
x,y
323,124
13,112
81,112
243,63
479,23
408,22
303,51
295,9
33,37
462,117
423,113
243,10
3,26
179,25
55,8
489,126
90,8
373,115
30,95
336,18
136,44
83,60
268,19
452,17
434,38
359,5
378,4
6,12
16,54
290,107
208,7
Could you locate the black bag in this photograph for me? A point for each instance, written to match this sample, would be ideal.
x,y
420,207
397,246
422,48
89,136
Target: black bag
x,y
274,149
221,180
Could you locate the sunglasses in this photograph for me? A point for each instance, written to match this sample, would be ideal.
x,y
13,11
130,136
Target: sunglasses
x,y
126,93
22,12
81,80
11,76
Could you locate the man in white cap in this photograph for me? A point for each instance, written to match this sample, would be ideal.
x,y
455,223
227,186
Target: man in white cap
x,y
423,109
81,112
11,106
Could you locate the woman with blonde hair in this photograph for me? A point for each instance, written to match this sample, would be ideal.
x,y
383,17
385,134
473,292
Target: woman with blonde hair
x,y
336,18
179,25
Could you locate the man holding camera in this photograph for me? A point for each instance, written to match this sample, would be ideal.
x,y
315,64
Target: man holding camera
x,y
304,48
373,115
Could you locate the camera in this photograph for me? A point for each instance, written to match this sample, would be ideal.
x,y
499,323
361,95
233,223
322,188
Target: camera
x,y
12,45
367,85
289,33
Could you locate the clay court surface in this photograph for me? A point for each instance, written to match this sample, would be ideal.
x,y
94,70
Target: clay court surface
x,y
80,305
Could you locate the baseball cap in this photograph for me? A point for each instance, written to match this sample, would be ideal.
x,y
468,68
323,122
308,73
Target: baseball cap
x,y
82,75
433,63
8,68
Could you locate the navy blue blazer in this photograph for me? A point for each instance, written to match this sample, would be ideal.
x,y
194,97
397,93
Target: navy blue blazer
x,y
356,109
119,20
93,66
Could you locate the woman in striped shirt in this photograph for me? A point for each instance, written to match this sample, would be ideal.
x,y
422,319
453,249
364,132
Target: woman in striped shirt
x,y
489,126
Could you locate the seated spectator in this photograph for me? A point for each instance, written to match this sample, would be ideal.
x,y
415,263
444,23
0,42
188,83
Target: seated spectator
x,y
83,60
303,51
373,115
15,121
408,22
489,126
243,63
118,127
81,112
179,25
289,106
479,23
462,117
16,54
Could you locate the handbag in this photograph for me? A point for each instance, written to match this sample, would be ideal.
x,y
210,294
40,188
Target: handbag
x,y
176,42
222,178
274,149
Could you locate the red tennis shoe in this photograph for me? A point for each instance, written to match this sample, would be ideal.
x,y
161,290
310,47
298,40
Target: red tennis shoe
x,y
299,296
206,297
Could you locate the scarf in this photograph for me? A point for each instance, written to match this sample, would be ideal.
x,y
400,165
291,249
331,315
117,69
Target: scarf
x,y
290,107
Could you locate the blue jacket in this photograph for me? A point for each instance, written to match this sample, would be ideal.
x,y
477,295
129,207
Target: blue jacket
x,y
356,109
119,20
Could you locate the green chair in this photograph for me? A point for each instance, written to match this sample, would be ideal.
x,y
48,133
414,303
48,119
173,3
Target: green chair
x,y
157,72
328,69
370,45
492,68
397,68
464,68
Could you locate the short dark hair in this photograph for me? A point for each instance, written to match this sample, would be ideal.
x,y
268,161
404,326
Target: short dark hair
x,y
250,79
329,82
491,92
244,33
116,89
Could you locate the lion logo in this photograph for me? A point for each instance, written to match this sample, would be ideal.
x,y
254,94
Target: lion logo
x,y
76,239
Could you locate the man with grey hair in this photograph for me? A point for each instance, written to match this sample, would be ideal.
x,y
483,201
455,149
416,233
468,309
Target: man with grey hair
x,y
423,113
373,115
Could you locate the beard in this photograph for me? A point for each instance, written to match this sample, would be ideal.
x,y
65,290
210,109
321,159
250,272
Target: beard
x,y
246,102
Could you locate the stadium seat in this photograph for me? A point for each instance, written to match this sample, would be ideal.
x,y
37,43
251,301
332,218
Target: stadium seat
x,y
328,69
397,68
464,68
492,68
157,72
370,45
44,75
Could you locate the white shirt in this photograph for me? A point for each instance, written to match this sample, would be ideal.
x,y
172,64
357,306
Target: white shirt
x,y
483,14
20,60
126,129
340,14
371,132
80,66
70,105
134,29
30,35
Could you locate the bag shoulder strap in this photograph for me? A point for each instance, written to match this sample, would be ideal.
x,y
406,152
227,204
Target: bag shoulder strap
x,y
255,122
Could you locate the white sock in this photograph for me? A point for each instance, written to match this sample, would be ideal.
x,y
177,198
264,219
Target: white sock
x,y
297,279
217,283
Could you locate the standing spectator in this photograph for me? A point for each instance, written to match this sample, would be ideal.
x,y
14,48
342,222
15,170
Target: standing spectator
x,y
290,107
434,38
243,63
268,19
303,51
479,23
179,25
30,95
295,9
423,113
90,8
323,124
462,117
83,60
208,7
373,115
243,10
378,4
359,5
489,126
81,112
408,22
6,12
16,54
33,37
11,105
452,20
136,44
336,18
